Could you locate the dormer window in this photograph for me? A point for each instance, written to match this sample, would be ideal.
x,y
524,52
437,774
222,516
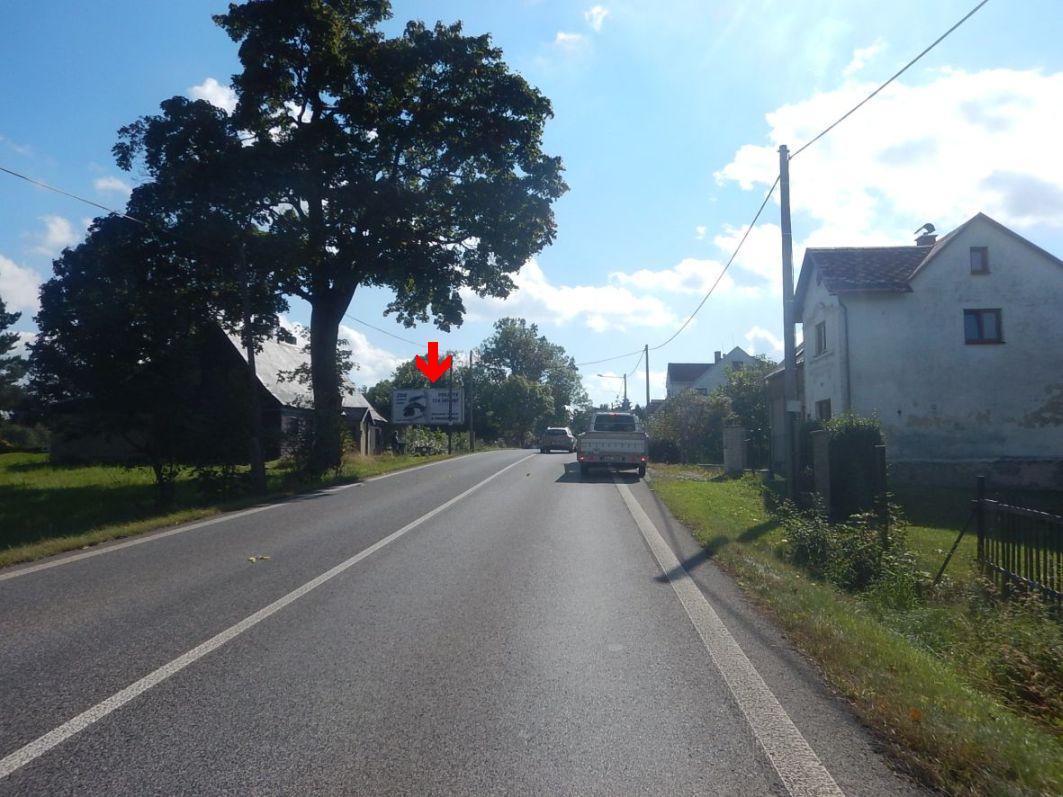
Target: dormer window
x,y
979,259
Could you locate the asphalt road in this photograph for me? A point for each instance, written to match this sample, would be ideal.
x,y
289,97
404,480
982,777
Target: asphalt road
x,y
491,624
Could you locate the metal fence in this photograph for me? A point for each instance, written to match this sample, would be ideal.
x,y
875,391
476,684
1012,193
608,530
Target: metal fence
x,y
1019,547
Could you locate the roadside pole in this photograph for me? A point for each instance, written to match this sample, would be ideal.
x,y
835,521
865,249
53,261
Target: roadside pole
x,y
450,410
646,355
468,389
789,346
258,465
626,405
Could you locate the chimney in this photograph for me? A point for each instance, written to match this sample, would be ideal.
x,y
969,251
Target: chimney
x,y
927,235
718,357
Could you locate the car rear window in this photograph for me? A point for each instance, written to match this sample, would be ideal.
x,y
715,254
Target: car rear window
x,y
556,431
615,423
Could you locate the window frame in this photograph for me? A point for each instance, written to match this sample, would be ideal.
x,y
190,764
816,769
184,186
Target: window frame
x,y
819,407
984,252
978,313
821,340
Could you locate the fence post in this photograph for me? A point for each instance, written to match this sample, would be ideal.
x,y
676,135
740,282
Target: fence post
x,y
979,519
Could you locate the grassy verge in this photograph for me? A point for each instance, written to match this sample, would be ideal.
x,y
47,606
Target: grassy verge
x,y
47,509
951,683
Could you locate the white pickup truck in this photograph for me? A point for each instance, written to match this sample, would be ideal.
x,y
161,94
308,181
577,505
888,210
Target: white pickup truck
x,y
615,440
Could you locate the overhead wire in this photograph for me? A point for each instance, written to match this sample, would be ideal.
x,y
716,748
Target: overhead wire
x,y
147,225
892,78
719,277
794,154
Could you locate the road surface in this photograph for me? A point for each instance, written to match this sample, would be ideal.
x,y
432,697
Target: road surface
x,y
490,624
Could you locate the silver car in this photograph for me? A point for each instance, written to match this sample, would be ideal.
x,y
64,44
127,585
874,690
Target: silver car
x,y
557,438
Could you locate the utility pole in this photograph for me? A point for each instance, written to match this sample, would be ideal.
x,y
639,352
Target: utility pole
x,y
450,410
625,392
468,388
646,355
258,466
789,348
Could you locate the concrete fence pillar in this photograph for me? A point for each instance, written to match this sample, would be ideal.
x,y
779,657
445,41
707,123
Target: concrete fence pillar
x,y
734,449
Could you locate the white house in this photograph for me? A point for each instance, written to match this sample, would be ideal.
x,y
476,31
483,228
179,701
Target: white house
x,y
955,344
703,378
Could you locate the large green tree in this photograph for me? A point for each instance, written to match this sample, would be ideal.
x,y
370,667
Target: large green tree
x,y
746,392
12,367
517,349
412,162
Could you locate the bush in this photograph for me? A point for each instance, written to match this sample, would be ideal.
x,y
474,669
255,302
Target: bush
x,y
663,450
852,463
16,437
689,428
854,555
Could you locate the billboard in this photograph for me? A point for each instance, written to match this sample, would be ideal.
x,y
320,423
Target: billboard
x,y
431,407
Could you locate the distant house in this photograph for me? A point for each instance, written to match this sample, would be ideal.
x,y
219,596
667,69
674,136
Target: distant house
x,y
289,400
777,407
703,378
220,381
955,344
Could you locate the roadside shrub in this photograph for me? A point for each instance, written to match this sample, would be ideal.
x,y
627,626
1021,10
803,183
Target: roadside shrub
x,y
16,437
689,428
854,555
663,450
852,462
422,441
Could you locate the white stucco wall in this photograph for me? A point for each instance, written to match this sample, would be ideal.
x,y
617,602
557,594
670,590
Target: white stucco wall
x,y
940,398
717,375
823,374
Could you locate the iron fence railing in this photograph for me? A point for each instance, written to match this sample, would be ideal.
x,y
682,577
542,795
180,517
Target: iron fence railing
x,y
1019,547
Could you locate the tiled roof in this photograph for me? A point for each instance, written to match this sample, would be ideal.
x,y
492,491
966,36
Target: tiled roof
x,y
871,268
687,372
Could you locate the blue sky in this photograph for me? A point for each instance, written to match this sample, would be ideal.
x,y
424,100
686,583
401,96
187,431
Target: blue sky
x,y
667,117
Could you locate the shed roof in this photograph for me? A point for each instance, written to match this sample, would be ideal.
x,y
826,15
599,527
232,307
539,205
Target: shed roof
x,y
277,360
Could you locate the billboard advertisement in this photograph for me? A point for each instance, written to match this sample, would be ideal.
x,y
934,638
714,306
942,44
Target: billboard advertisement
x,y
429,407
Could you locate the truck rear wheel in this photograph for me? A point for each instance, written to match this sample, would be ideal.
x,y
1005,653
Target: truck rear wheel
x,y
642,471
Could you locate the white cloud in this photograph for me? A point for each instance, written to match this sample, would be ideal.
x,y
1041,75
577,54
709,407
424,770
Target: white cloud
x,y
775,345
570,42
960,143
595,16
861,56
113,184
599,307
700,231
374,363
18,286
215,93
58,234
690,275
18,149
761,254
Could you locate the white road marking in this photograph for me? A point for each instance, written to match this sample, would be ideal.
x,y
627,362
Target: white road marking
x,y
24,755
794,760
152,536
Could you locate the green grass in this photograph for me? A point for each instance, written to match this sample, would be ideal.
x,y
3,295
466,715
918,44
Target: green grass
x,y
46,509
942,683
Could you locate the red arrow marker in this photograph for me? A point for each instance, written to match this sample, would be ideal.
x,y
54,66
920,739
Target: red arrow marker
x,y
433,368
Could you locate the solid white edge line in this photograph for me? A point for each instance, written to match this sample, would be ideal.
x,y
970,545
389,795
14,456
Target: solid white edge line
x,y
793,759
151,536
24,755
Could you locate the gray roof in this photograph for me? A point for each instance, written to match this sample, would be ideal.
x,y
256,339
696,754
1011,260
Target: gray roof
x,y
687,372
277,359
886,269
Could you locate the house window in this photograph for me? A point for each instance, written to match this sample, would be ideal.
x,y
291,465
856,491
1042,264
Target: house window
x,y
737,366
982,326
821,337
703,391
823,410
979,259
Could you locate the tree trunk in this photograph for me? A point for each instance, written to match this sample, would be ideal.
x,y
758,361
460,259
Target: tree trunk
x,y
327,449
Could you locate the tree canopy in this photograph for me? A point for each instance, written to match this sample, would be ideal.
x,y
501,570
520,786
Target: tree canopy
x,y
12,367
412,162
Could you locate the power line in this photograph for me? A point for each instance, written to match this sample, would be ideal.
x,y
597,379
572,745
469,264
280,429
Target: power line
x,y
41,184
638,362
730,260
152,228
895,75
